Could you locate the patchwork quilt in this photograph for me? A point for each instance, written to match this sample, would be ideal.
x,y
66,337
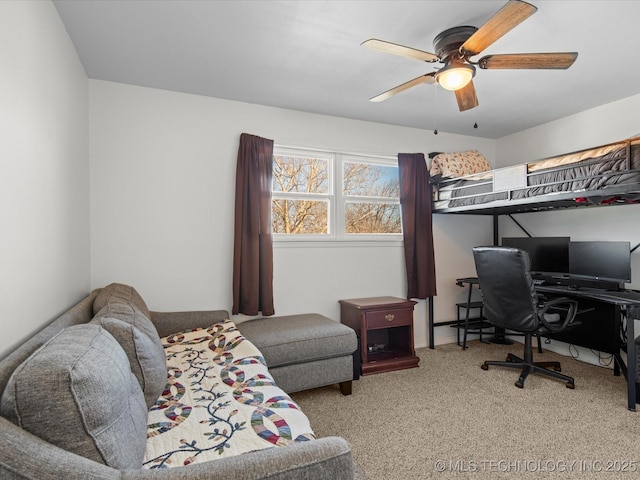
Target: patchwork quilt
x,y
220,400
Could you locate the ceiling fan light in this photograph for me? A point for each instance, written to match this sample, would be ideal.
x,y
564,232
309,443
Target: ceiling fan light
x,y
455,76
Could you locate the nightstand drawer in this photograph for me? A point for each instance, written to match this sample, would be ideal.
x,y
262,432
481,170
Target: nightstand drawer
x,y
388,318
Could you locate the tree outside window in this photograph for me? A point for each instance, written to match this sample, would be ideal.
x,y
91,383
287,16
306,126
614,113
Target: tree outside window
x,y
305,202
371,193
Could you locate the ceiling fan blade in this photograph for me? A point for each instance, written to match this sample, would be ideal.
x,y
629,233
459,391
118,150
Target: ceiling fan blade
x,y
401,50
508,17
466,97
428,78
558,61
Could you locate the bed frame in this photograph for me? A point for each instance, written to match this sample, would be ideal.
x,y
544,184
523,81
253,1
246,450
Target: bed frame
x,y
600,176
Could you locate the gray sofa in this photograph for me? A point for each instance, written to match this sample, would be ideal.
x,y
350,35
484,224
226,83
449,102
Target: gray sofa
x,y
89,346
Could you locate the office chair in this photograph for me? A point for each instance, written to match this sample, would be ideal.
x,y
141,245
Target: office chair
x,y
511,302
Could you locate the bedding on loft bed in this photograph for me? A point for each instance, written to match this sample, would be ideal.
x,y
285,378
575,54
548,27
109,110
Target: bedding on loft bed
x,y
601,175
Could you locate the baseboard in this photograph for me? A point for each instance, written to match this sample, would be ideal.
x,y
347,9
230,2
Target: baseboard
x,y
450,337
579,353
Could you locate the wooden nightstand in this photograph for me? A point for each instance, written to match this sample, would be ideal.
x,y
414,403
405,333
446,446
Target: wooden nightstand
x,y
384,326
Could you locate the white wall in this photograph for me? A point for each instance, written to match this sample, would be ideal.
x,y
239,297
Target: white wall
x,y
44,170
605,124
162,190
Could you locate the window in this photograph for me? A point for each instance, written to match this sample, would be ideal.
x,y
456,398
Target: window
x,y
302,193
320,195
371,195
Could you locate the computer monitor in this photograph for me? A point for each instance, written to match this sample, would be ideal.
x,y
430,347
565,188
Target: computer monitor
x,y
607,261
547,254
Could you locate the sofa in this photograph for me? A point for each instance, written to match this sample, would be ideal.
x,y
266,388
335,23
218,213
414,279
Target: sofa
x,y
112,390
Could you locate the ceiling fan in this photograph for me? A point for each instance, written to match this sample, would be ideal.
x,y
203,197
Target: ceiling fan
x,y
455,46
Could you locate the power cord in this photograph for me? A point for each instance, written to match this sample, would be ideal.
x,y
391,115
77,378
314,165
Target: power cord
x,y
603,360
572,349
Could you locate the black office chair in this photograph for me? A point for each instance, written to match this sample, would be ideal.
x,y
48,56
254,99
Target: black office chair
x,y
511,302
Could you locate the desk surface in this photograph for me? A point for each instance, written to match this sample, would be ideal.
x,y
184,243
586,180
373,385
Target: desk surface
x,y
623,297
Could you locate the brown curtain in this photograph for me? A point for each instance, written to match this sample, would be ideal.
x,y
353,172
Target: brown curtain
x,y
253,241
415,200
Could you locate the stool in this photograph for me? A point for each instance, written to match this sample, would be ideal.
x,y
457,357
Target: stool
x,y
468,305
305,351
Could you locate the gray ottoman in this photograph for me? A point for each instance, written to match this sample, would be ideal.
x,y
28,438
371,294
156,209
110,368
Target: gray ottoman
x,y
304,351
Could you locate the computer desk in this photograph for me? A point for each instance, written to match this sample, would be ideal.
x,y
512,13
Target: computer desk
x,y
629,305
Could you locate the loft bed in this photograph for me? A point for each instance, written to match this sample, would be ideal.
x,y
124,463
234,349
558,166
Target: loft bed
x,y
604,175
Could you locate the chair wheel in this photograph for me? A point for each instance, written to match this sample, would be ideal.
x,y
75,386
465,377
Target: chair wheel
x,y
509,359
571,386
484,366
519,384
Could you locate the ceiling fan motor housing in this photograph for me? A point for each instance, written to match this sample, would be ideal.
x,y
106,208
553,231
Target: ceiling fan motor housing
x,y
447,44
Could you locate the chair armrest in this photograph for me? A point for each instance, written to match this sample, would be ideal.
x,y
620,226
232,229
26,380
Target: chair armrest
x,y
25,456
327,458
171,322
572,308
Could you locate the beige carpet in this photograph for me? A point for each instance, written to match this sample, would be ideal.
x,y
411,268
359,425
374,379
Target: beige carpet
x,y
450,419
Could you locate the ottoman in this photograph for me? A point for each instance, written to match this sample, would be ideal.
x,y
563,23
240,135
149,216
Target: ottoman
x,y
305,351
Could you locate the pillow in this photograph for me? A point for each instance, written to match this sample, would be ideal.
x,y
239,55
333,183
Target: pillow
x,y
139,339
457,164
77,392
120,293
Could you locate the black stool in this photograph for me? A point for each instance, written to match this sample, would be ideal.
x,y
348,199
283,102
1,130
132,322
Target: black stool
x,y
468,305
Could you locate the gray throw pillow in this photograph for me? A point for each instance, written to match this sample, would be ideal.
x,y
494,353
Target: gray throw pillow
x,y
77,392
118,292
139,338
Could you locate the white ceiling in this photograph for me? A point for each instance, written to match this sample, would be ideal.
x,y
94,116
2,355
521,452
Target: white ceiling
x,y
306,55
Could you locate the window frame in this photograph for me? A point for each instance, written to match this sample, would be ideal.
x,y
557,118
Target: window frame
x,y
336,198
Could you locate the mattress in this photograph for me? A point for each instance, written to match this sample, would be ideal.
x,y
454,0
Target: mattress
x,y
583,173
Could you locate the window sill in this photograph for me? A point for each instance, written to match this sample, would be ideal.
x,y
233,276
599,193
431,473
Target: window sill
x,y
333,243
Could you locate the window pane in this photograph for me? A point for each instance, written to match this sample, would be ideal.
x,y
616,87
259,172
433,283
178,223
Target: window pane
x,y
300,216
370,180
297,174
372,218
